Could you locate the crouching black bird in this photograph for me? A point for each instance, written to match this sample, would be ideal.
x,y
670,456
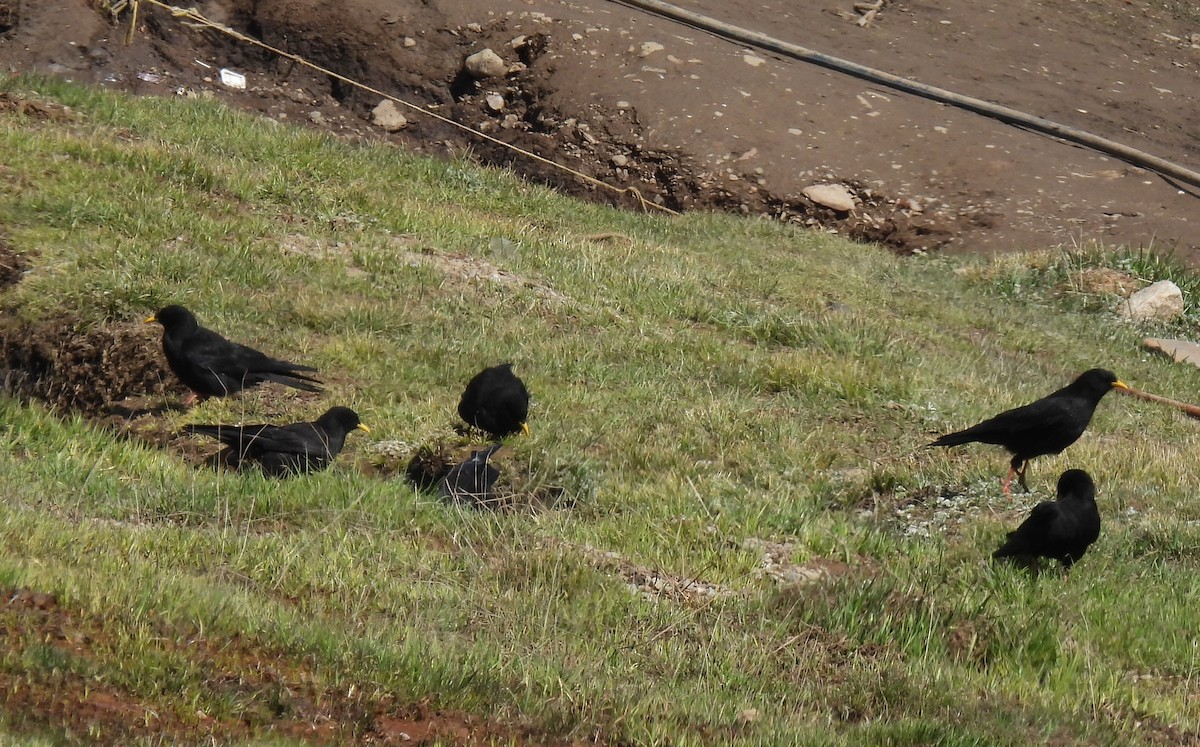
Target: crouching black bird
x,y
471,481
212,366
1061,529
285,449
496,402
1046,426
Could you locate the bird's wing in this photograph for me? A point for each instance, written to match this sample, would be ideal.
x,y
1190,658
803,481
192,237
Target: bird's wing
x,y
1031,535
232,435
1024,422
210,350
297,438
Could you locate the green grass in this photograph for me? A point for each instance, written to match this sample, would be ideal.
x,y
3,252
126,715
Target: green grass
x,y
703,382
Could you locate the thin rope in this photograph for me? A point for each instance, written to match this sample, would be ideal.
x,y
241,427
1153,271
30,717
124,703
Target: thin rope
x,y
197,19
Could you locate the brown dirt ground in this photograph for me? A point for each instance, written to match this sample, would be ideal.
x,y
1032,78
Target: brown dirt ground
x,y
704,123
268,693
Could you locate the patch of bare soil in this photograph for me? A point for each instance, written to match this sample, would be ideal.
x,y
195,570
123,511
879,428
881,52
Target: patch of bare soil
x,y
76,368
522,485
266,693
12,265
696,122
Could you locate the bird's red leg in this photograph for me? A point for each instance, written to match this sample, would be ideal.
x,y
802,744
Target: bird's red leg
x,y
1008,481
191,399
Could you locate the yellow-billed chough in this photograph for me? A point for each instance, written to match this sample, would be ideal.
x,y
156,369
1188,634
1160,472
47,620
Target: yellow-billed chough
x,y
496,402
1046,426
212,366
471,482
1061,529
284,449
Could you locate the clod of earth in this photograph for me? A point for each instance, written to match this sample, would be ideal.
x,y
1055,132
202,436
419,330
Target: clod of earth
x,y
75,367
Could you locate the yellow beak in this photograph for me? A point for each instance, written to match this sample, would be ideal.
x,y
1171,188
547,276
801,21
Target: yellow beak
x,y
525,429
149,319
362,428
1118,384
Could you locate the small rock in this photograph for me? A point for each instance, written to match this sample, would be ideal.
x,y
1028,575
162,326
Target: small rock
x,y
317,117
495,102
387,116
753,60
619,160
485,64
474,27
649,48
833,196
409,42
623,104
1161,301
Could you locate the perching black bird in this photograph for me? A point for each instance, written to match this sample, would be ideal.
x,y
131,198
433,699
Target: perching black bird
x,y
1046,426
285,449
212,366
1061,529
496,402
471,481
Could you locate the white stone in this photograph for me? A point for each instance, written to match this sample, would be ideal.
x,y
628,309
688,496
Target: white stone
x,y
1161,301
485,64
649,48
832,196
387,116
495,102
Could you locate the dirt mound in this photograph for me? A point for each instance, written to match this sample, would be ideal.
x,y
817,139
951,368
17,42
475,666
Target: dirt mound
x,y
528,485
74,367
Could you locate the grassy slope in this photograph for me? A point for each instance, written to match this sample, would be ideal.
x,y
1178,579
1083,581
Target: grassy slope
x,y
706,381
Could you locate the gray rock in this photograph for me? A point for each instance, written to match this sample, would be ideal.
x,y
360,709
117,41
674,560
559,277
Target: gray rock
x,y
1161,301
485,64
495,102
387,116
832,196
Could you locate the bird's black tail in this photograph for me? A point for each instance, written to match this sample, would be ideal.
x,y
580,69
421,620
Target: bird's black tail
x,y
296,381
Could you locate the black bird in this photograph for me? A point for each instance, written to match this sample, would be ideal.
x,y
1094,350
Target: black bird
x,y
285,449
496,402
1061,529
1046,426
212,366
471,481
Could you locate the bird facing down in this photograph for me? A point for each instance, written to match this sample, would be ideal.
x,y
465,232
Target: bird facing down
x,y
212,366
496,402
471,481
1061,529
284,449
1046,426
